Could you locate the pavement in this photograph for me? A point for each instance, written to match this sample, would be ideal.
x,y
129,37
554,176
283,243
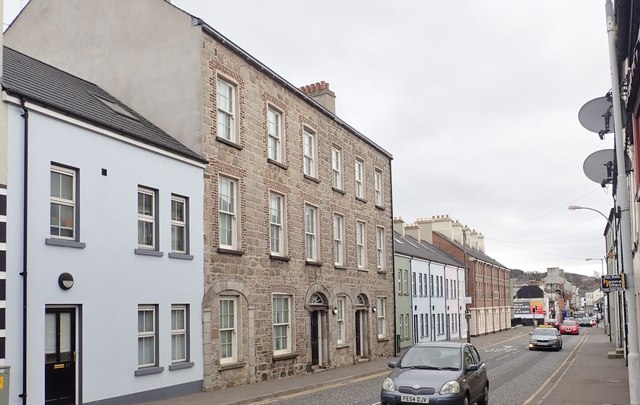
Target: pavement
x,y
587,376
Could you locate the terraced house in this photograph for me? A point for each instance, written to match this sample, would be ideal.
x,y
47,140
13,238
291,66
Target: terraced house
x,y
298,223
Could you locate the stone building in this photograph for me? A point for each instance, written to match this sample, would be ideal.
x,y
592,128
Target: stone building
x,y
298,261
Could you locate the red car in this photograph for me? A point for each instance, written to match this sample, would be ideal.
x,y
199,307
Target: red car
x,y
569,327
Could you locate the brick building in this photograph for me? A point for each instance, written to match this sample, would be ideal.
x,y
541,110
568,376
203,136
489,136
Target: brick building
x,y
298,221
487,279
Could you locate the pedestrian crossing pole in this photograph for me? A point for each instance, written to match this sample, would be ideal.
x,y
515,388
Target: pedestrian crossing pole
x,y
633,357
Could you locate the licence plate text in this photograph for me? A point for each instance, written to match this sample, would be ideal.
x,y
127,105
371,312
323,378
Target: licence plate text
x,y
414,399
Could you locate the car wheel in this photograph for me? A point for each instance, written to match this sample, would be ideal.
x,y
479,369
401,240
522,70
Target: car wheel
x,y
485,396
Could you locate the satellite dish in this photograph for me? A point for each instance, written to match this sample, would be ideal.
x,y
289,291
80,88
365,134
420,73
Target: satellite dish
x,y
598,166
596,116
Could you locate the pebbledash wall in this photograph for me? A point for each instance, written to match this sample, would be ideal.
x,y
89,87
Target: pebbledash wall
x,y
176,62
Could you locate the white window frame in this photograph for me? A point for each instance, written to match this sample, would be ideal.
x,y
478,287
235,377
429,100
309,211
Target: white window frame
x,y
377,185
309,152
148,218
277,224
381,313
359,178
380,259
275,138
226,90
61,202
336,167
179,224
229,329
147,334
338,239
311,232
180,332
361,244
282,323
340,320
231,211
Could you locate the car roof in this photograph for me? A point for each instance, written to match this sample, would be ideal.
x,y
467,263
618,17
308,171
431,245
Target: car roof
x,y
441,344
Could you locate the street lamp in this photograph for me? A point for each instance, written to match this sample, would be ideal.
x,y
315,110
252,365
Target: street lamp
x,y
601,264
578,207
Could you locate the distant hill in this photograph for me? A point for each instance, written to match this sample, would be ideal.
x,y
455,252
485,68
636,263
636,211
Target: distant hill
x,y
584,283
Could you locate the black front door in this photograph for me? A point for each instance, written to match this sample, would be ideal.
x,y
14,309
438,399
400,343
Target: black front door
x,y
60,353
315,339
359,350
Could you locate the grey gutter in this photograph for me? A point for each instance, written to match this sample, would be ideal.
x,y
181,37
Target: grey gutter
x,y
71,113
261,66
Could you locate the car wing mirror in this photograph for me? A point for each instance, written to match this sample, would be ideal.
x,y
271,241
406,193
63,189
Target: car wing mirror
x,y
473,367
392,364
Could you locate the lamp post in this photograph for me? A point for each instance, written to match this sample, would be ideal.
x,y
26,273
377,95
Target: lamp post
x,y
607,321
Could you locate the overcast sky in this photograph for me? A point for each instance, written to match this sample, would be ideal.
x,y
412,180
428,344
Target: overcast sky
x,y
477,101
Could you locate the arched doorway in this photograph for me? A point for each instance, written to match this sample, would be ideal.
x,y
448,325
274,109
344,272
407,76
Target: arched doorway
x,y
362,327
318,306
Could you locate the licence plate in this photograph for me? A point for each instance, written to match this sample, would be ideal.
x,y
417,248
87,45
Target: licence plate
x,y
414,399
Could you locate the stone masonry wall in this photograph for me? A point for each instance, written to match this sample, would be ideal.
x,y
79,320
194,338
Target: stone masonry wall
x,y
250,273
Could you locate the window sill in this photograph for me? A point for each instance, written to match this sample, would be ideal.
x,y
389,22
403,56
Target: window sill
x,y
280,258
65,243
229,143
231,251
313,179
148,371
232,366
312,263
181,256
380,207
339,191
362,200
287,356
279,164
339,267
148,252
363,269
383,339
342,346
181,365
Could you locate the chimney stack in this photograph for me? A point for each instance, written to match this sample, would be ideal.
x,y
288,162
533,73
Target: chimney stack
x,y
413,230
321,94
426,229
398,225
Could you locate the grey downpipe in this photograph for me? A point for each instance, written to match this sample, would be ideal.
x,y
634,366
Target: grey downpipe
x,y
396,349
25,115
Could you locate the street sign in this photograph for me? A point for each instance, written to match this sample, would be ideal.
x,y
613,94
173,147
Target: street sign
x,y
612,282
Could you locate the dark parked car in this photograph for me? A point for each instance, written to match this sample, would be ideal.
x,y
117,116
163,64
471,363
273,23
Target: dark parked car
x,y
545,338
437,373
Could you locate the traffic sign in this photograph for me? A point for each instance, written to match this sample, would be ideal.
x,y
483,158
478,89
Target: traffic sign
x,y
612,282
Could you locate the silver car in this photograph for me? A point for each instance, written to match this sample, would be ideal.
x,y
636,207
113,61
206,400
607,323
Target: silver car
x,y
437,373
545,338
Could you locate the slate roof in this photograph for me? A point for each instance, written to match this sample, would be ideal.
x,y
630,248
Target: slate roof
x,y
475,253
410,246
57,90
530,291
